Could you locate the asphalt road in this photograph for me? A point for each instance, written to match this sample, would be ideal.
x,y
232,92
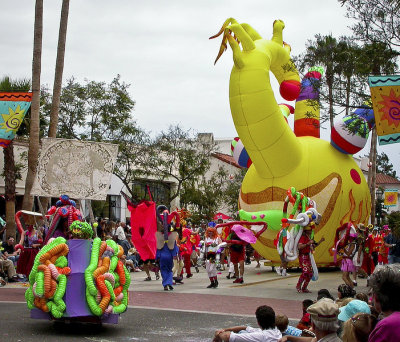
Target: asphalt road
x,y
137,324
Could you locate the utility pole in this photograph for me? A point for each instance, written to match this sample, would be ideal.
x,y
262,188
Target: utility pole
x,y
372,173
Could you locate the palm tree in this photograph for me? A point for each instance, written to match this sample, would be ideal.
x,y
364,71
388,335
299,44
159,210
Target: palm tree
x,y
33,152
323,52
59,69
10,172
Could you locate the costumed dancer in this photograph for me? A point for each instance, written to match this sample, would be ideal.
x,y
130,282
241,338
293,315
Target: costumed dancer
x,y
211,242
237,254
178,260
346,246
383,251
368,266
306,246
359,254
300,242
167,248
376,245
195,241
143,233
186,251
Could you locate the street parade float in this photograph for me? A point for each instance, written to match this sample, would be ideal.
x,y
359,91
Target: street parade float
x,y
77,278
279,158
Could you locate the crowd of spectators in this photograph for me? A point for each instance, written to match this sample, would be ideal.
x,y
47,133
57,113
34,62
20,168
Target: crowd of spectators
x,y
352,317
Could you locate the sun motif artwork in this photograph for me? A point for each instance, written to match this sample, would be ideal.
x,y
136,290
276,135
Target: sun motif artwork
x,y
13,120
385,96
13,108
390,197
391,108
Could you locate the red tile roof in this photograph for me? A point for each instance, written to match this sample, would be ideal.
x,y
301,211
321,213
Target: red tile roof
x,y
385,179
226,158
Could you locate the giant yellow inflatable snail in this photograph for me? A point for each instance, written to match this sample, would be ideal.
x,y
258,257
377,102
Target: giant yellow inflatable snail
x,y
280,157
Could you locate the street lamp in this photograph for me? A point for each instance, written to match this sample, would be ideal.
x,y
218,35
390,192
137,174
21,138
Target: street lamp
x,y
379,193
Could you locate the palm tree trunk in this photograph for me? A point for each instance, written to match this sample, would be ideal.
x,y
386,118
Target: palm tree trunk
x,y
55,104
9,179
33,151
62,35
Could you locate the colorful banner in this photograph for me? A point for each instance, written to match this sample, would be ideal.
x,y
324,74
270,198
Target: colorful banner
x,y
13,108
385,95
390,198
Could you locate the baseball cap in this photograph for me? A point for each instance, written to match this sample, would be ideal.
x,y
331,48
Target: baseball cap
x,y
355,306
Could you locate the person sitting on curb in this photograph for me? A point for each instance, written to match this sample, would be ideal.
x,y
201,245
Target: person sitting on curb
x,y
9,250
267,332
324,317
7,267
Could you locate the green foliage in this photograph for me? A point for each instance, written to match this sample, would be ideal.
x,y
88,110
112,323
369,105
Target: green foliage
x,y
10,85
179,155
94,111
204,196
231,195
393,220
100,111
347,67
383,165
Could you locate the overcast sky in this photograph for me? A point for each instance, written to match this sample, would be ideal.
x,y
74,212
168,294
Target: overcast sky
x,y
161,48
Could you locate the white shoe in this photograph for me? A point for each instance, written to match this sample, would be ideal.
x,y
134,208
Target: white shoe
x,y
278,270
284,273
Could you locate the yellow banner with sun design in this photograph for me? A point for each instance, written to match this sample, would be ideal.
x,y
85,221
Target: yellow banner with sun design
x,y
390,198
13,108
385,95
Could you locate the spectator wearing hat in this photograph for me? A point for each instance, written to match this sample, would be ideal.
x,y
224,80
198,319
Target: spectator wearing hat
x,y
324,315
267,332
349,310
385,285
355,306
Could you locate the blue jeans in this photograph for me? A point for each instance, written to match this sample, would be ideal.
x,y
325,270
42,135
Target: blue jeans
x,y
393,259
13,258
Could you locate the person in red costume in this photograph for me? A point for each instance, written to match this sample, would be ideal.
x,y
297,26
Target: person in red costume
x,y
238,254
367,267
383,251
376,245
186,249
306,245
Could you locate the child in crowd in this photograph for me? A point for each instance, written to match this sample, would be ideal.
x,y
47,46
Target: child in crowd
x,y
344,291
305,322
358,328
282,323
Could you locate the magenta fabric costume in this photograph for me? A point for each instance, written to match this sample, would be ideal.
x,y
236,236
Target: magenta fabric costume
x,y
387,329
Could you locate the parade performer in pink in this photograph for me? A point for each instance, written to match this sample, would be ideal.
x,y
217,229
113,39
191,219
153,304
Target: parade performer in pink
x,y
346,246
